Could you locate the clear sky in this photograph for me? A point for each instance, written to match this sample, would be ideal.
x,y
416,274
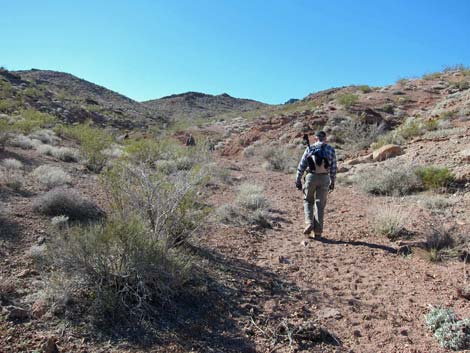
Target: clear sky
x,y
269,50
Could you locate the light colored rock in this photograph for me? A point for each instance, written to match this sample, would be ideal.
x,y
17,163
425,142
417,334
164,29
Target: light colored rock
x,y
465,155
385,152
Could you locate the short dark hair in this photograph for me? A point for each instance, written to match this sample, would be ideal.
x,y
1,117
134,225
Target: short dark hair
x,y
321,135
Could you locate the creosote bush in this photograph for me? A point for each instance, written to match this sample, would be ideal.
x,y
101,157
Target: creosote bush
x,y
434,177
31,120
127,272
347,99
67,202
250,196
93,142
279,159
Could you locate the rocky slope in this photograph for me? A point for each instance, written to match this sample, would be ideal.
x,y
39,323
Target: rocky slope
x,y
199,105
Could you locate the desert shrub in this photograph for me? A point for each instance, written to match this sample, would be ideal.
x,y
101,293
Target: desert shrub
x,y
93,141
347,99
168,203
434,177
358,135
125,271
5,133
234,214
364,88
436,202
12,164
432,76
279,159
51,176
440,245
166,167
450,332
249,151
32,120
45,136
392,137
389,221
410,128
394,179
67,202
250,196
114,151
22,141
66,154
11,173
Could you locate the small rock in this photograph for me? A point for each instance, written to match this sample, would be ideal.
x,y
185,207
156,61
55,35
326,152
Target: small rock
x,y
16,313
39,308
404,332
357,333
51,346
329,313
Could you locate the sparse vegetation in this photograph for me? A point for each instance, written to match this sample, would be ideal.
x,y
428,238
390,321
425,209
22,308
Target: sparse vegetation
x,y
364,89
51,176
439,244
347,99
22,141
31,120
391,179
279,159
93,142
450,332
433,177
389,221
11,173
67,202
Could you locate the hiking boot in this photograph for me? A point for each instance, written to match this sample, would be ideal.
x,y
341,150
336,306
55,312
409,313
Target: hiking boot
x,y
308,229
317,236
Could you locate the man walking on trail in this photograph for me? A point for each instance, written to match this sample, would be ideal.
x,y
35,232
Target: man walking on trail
x,y
320,157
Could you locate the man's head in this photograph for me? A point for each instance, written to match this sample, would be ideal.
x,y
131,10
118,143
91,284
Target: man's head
x,y
321,136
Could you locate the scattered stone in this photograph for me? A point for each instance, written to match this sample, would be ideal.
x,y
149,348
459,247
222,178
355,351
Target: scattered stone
x,y
39,308
357,333
329,313
16,313
385,152
50,346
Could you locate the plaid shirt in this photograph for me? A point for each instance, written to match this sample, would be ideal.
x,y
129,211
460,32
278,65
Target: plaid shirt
x,y
330,154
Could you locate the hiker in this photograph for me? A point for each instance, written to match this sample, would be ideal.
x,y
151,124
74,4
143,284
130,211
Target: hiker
x,y
190,141
320,158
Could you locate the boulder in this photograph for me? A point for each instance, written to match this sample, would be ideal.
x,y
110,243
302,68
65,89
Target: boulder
x,y
385,152
16,313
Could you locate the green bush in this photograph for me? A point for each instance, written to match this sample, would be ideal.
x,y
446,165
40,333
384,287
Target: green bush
x,y
347,99
279,159
125,272
32,120
93,143
434,177
365,89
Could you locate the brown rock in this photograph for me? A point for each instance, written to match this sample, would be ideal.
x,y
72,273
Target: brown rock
x,y
16,313
385,152
39,308
50,346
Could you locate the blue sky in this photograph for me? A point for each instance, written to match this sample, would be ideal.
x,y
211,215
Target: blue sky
x,y
265,50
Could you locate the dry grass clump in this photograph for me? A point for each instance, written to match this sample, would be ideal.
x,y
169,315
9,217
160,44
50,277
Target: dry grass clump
x,y
22,141
51,176
65,154
67,202
11,173
389,221
440,244
436,203
251,207
45,136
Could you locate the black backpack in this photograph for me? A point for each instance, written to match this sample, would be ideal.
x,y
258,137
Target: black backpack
x,y
318,157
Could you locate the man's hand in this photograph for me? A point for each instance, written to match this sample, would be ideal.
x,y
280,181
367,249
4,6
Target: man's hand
x,y
298,185
332,186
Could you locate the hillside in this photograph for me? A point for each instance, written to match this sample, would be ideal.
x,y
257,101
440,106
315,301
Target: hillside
x,y
73,99
195,105
150,245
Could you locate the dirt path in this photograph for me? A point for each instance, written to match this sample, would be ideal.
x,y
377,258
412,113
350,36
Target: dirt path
x,y
353,281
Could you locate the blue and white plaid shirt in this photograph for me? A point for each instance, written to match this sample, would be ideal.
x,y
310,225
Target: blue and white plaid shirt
x,y
330,154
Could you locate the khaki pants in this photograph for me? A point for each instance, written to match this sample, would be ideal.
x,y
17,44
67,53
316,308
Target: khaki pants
x,y
315,194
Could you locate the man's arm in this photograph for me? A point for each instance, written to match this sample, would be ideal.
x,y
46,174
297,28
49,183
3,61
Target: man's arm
x,y
333,167
302,166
